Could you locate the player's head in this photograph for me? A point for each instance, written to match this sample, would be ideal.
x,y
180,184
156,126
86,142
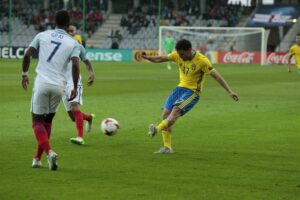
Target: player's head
x,y
72,30
184,49
169,34
62,19
298,38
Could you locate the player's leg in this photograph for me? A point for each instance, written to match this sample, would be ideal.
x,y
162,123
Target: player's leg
x,y
167,107
39,131
75,106
78,122
180,102
169,121
71,115
38,108
73,109
166,135
89,118
86,117
55,95
48,123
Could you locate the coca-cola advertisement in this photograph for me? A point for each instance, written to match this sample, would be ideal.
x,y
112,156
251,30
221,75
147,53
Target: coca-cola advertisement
x,y
248,57
279,58
241,57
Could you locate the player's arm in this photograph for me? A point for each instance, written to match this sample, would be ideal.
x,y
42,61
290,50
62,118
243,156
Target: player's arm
x,y
75,71
25,66
224,84
75,76
90,69
155,59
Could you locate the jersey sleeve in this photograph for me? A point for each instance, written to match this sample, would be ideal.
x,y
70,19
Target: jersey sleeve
x,y
207,67
82,54
78,38
35,43
75,52
172,57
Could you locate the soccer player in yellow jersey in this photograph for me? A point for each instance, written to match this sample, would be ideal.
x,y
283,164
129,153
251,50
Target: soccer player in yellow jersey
x,y
193,66
73,32
295,51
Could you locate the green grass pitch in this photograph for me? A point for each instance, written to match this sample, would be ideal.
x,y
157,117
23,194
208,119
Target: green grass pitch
x,y
225,150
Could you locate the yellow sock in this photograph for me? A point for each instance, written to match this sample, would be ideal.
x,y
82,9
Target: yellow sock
x,y
162,125
167,139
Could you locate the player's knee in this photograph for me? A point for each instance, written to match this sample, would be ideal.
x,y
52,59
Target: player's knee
x,y
176,113
165,114
75,106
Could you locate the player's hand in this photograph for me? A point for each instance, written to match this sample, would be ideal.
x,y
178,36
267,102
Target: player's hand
x,y
73,94
143,54
140,55
25,82
91,79
234,96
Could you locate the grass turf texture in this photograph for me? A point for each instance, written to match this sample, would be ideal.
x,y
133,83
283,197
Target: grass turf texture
x,y
224,150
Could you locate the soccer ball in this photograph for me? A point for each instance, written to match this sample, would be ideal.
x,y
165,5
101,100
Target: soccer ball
x,y
110,126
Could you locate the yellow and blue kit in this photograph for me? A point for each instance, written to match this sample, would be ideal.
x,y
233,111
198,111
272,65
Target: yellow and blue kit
x,y
192,76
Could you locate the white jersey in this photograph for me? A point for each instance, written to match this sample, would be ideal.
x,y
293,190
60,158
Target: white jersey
x,y
82,57
56,48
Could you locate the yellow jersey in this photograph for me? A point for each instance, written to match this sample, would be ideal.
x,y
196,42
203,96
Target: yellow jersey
x,y
78,38
295,50
192,72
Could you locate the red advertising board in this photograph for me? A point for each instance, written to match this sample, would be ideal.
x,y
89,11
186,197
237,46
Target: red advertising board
x,y
278,58
241,57
247,57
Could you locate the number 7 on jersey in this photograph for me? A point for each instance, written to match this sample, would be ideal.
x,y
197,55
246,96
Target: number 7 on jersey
x,y
57,45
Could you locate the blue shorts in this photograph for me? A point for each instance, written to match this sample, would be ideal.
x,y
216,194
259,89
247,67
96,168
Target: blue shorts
x,y
183,98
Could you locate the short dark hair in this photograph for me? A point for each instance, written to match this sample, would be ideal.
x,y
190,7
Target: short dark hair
x,y
183,45
298,34
62,18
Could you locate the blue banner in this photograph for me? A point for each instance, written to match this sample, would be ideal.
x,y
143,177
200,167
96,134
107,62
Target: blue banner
x,y
275,16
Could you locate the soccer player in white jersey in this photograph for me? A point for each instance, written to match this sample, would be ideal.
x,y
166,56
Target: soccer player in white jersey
x,y
73,107
56,49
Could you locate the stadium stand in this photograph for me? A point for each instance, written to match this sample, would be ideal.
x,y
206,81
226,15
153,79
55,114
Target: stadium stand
x,y
139,30
136,25
29,19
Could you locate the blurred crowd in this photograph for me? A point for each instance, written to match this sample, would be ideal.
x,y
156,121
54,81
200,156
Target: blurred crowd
x,y
43,19
144,15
